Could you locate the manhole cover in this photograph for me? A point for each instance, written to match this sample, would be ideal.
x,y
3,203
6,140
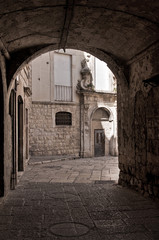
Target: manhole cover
x,y
69,229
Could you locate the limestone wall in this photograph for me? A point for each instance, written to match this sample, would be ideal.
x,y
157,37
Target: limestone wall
x,y
48,139
138,124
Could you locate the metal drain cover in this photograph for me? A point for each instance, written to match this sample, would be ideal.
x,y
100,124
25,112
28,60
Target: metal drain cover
x,y
69,229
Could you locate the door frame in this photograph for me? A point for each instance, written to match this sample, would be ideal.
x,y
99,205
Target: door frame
x,y
102,130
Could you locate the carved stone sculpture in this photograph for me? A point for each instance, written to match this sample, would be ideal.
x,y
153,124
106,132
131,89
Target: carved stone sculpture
x,y
86,83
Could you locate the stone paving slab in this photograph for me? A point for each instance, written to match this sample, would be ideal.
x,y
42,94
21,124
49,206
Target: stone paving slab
x,y
74,170
45,206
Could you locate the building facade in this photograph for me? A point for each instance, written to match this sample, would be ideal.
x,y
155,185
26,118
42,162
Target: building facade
x,y
70,115
18,125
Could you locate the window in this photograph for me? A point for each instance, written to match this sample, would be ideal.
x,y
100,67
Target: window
x,y
101,115
62,77
63,118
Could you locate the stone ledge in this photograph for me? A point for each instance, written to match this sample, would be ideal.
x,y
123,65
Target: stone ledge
x,y
52,160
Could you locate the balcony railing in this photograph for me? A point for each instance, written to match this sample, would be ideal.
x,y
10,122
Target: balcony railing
x,y
63,93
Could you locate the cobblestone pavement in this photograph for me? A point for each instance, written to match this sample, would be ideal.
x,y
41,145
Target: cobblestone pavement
x,y
76,199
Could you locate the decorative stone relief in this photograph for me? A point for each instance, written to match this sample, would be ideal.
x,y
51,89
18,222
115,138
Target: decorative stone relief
x,y
86,83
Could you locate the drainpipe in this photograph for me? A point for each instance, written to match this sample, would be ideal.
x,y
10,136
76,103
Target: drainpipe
x,y
81,126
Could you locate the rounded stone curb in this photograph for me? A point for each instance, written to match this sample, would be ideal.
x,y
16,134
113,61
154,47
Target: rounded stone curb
x,y
53,160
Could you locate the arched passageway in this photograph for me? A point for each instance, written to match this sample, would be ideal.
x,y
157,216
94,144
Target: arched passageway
x,y
124,34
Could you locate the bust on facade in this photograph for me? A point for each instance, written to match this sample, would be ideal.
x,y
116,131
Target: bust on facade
x,y
86,83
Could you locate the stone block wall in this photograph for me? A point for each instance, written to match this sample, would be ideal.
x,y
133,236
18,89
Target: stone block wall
x,y
48,139
138,126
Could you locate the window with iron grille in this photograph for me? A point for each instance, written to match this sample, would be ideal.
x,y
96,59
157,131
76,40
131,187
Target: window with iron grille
x,y
63,118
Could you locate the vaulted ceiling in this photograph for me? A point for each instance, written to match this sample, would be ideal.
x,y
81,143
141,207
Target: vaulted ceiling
x,y
120,28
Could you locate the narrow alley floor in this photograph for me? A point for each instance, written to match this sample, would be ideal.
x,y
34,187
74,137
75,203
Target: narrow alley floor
x,y
76,199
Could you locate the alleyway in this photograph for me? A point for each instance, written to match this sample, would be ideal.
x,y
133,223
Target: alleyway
x,y
76,199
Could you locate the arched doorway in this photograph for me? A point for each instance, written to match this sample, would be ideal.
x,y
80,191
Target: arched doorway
x,y
102,132
20,134
12,112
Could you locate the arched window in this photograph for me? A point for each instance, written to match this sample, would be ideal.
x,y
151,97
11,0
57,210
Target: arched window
x,y
63,118
101,115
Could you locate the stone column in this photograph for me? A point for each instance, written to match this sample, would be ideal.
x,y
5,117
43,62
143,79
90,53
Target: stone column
x,y
86,131
3,126
81,125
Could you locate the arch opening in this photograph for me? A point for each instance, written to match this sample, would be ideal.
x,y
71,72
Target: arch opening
x,y
66,83
124,51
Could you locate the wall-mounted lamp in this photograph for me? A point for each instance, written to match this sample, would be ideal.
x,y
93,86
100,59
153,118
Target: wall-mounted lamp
x,y
16,83
154,81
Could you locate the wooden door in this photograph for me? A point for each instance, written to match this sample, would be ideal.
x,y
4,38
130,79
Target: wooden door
x,y
99,142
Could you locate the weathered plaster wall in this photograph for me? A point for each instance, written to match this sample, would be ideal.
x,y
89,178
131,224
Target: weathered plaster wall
x,y
138,124
43,74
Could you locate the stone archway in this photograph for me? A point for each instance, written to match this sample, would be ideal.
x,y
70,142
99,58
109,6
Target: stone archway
x,y
111,30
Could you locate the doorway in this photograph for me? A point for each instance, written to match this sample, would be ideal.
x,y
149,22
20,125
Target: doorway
x,y
99,142
12,112
20,134
27,134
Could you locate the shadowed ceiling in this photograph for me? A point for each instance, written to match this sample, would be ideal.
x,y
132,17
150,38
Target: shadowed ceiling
x,y
120,28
